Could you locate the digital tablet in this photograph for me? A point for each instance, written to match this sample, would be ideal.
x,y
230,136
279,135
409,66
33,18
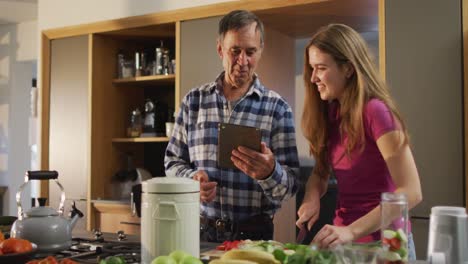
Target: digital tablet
x,y
230,137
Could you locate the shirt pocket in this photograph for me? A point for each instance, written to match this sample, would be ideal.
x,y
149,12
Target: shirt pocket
x,y
203,142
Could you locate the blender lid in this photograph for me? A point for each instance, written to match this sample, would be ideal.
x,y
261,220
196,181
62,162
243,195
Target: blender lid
x,y
449,210
170,185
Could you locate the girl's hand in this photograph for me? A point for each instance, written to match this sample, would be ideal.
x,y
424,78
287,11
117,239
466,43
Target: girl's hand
x,y
330,236
308,213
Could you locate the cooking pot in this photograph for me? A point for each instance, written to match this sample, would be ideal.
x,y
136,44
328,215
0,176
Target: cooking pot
x,y
44,225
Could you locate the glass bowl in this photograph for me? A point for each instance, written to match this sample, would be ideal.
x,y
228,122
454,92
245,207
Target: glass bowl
x,y
356,253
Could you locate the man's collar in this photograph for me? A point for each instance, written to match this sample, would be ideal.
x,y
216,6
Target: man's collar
x,y
256,86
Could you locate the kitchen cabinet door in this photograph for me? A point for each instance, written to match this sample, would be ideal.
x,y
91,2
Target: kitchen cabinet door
x,y
199,61
69,133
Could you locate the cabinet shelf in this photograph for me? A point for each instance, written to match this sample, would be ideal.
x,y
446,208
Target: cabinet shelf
x,y
155,79
141,139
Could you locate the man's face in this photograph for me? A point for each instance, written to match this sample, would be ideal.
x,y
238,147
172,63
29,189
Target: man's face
x,y
240,51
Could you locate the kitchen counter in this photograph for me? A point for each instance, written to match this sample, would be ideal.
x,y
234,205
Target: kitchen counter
x,y
204,246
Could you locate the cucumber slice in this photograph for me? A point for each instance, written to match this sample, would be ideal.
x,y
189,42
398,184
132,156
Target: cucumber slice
x,y
389,234
391,256
402,236
403,253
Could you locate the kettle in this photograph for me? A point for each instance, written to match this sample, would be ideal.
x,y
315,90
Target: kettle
x,y
448,235
43,225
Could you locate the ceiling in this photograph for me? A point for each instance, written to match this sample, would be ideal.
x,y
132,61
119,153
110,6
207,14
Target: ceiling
x,y
16,11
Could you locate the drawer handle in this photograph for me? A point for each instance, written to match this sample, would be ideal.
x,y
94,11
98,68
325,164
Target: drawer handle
x,y
130,223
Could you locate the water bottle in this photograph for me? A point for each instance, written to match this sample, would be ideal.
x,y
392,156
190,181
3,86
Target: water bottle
x,y
394,227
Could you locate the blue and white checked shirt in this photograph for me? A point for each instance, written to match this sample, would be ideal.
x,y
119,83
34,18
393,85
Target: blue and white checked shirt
x,y
194,141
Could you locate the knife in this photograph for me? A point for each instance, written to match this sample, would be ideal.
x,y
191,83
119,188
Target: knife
x,y
302,234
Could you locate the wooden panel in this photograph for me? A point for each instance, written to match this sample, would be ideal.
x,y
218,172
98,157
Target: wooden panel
x,y
177,94
382,53
44,95
153,31
289,17
301,21
69,131
116,217
142,139
465,91
90,217
153,80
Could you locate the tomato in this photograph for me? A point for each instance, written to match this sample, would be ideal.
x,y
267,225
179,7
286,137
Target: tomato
x,y
15,245
386,241
228,245
2,237
50,260
221,247
395,244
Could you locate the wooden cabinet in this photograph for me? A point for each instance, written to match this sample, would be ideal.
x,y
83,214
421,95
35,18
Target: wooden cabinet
x,y
112,101
114,216
90,111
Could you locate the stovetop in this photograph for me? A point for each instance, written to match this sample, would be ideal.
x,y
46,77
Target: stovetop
x,y
91,247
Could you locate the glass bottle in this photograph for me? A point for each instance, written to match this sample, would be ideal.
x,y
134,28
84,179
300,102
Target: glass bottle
x,y
136,124
120,64
394,227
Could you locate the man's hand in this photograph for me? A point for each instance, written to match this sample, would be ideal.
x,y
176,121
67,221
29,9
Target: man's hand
x,y
258,165
207,187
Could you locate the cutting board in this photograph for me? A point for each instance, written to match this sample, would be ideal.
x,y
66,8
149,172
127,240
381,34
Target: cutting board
x,y
212,253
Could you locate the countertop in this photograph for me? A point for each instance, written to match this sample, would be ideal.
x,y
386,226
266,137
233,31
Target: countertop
x,y
204,246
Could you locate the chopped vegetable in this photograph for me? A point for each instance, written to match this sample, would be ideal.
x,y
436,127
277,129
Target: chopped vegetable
x,y
396,243
228,245
113,260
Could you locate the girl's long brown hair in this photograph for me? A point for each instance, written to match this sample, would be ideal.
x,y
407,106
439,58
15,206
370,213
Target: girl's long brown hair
x,y
345,46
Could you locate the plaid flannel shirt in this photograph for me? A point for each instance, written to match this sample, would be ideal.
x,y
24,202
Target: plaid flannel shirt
x,y
193,147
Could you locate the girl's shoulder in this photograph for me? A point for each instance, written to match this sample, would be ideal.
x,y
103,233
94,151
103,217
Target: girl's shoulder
x,y
378,118
375,105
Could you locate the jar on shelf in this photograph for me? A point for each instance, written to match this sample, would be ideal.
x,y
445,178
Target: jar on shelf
x,y
120,64
136,124
394,227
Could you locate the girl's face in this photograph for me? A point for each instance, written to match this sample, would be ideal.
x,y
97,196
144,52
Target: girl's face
x,y
329,77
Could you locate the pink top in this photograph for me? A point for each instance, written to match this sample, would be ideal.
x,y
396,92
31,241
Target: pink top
x,y
363,176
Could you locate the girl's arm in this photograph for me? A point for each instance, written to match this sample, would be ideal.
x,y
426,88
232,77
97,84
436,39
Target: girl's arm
x,y
402,168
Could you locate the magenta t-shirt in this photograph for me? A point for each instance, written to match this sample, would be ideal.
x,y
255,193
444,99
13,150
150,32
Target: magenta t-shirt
x,y
362,177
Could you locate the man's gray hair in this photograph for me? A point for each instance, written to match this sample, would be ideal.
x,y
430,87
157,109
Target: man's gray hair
x,y
238,19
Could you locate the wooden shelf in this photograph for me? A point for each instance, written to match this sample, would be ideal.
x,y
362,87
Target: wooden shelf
x,y
142,139
156,79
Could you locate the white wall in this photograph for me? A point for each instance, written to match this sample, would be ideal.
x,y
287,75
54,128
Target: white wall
x,y
18,54
60,13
